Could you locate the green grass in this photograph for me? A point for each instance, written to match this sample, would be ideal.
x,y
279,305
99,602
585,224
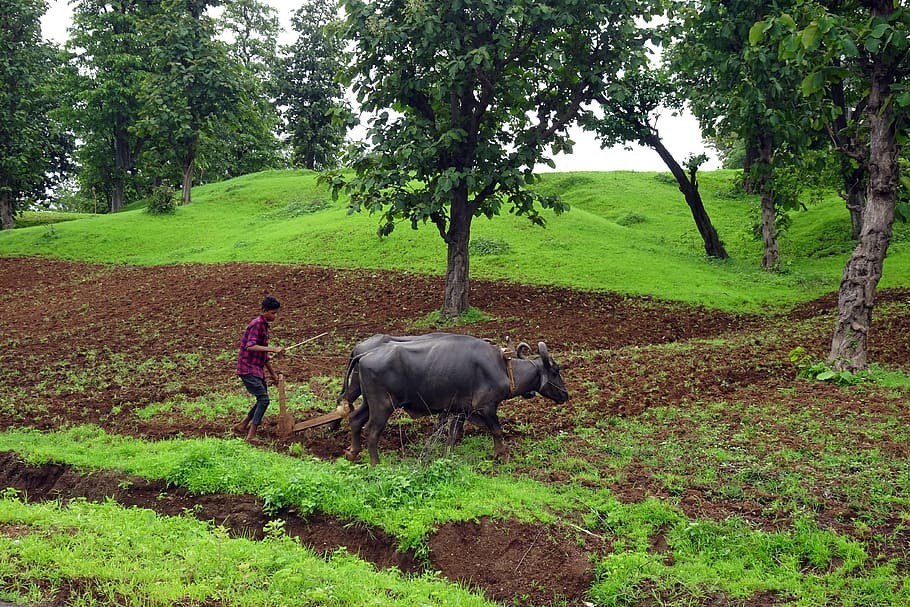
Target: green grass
x,y
627,232
116,556
154,560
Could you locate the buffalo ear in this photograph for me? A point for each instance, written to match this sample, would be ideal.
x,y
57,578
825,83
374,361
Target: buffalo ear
x,y
542,348
522,350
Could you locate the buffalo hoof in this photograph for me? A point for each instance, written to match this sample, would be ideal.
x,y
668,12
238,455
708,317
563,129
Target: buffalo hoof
x,y
350,455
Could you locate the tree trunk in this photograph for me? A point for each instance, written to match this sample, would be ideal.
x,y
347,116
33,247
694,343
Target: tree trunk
x,y
855,198
117,196
770,259
123,164
7,217
689,187
748,163
458,237
188,166
864,268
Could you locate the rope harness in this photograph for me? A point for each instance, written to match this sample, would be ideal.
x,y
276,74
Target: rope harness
x,y
507,356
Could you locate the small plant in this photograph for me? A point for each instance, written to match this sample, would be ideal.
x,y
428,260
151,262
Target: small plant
x,y
50,234
435,319
163,201
811,368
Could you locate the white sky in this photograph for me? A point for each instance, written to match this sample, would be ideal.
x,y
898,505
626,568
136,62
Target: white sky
x,y
679,133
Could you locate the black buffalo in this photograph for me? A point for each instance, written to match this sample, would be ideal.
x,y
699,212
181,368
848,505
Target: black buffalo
x,y
350,389
456,375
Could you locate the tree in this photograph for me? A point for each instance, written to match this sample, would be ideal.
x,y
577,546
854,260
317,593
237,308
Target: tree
x,y
34,146
191,85
111,50
316,115
868,40
253,27
738,89
467,96
627,116
250,143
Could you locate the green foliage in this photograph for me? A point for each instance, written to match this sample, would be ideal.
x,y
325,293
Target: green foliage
x,y
811,368
315,112
481,246
190,89
162,201
463,109
817,370
34,145
631,219
436,319
110,56
103,553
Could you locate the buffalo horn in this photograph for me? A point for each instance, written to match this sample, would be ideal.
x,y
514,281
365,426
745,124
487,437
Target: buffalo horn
x,y
522,350
542,348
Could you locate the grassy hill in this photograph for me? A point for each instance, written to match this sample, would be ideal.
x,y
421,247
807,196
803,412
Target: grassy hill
x,y
627,232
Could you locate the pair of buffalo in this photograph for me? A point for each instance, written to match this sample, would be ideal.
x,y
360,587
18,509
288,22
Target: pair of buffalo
x,y
455,376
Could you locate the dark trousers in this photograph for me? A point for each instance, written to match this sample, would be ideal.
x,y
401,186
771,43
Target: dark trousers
x,y
257,387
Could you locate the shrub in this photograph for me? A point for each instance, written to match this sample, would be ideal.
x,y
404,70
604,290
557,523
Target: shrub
x,y
630,219
163,201
488,246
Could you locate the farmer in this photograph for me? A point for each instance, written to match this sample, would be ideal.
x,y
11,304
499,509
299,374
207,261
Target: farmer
x,y
252,360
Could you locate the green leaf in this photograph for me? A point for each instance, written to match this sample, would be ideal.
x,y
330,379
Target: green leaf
x,y
809,37
756,32
813,83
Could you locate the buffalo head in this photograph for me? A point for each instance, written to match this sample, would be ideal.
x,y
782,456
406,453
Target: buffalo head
x,y
551,384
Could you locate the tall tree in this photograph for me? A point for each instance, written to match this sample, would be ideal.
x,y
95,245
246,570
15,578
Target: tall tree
x,y
34,147
250,143
111,50
191,85
253,27
311,98
868,40
467,97
739,89
629,115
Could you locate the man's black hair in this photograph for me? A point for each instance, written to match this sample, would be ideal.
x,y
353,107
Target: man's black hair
x,y
270,303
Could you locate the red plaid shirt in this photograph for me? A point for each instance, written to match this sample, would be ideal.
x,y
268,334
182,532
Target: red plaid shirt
x,y
252,363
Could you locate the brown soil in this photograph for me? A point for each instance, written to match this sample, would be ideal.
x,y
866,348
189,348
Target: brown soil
x,y
76,337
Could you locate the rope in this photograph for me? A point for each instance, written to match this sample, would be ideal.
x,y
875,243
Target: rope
x,y
507,356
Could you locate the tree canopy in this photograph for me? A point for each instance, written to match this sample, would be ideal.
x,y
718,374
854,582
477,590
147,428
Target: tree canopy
x,y
466,97
34,145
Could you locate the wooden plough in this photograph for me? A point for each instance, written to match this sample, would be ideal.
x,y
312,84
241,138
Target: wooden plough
x,y
286,424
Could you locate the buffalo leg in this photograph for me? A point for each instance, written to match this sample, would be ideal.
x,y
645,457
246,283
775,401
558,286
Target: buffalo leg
x,y
379,417
500,451
358,418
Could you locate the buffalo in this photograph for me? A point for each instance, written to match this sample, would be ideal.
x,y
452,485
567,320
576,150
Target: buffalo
x,y
450,374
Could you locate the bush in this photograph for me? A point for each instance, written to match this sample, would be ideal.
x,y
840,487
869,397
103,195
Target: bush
x,y
487,246
630,219
163,201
